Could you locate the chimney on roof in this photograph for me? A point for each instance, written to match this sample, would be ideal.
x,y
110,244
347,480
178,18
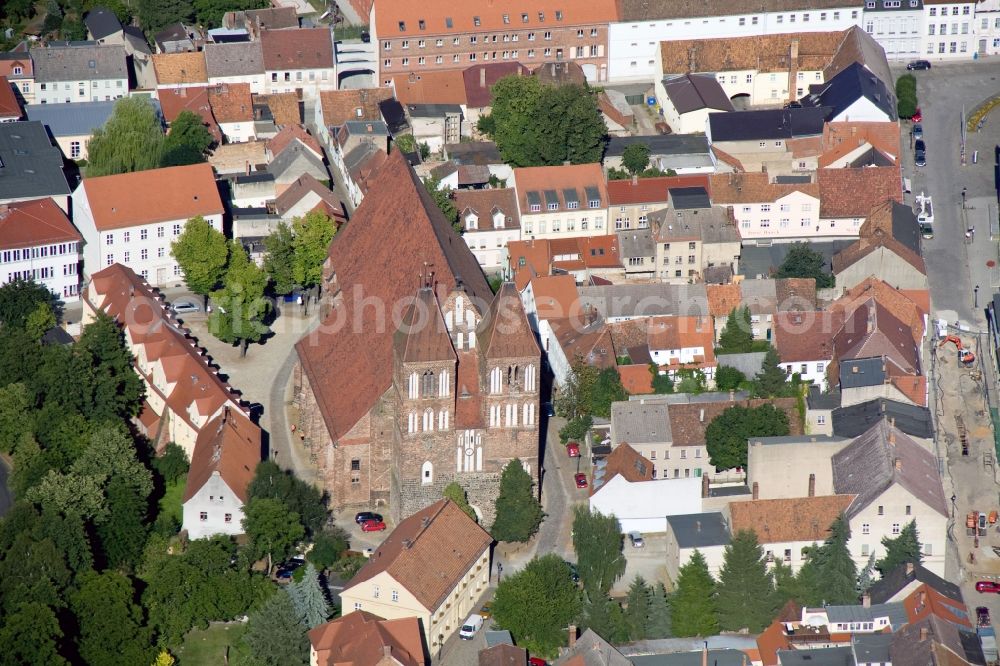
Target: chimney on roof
x,y
705,485
482,77
793,51
572,636
866,600
909,568
756,490
812,485
924,634
898,463
697,526
386,650
701,415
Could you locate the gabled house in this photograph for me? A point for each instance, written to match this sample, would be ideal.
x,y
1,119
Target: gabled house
x,y
847,196
689,98
935,641
888,247
225,456
686,154
766,210
336,107
854,94
71,126
804,342
352,146
491,220
79,73
308,194
567,200
175,100
232,108
365,638
30,166
16,65
103,26
706,533
751,140
407,576
896,481
295,160
180,70
38,242
236,62
582,257
631,201
299,60
177,38
691,237
923,593
682,343
10,107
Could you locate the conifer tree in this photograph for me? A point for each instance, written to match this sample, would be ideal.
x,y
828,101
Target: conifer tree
x,y
638,614
308,598
693,603
745,596
900,550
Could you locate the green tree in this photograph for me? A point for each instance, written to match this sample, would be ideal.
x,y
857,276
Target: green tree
x,y
456,493
737,334
116,391
275,634
597,540
308,599
41,319
728,378
866,577
406,143
903,549
15,420
442,197
515,99
786,585
164,658
727,434
271,528
123,534
202,253
662,383
241,309
311,238
209,13
279,261
187,140
829,575
639,610
155,15
328,547
270,481
590,391
660,621
131,140
575,429
804,262
906,96
691,380
693,605
31,635
173,464
111,625
635,158
518,511
19,299
537,603
604,617
771,381
745,595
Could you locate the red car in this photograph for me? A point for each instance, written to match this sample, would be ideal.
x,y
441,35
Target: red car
x,y
372,526
536,661
573,450
988,586
917,116
581,480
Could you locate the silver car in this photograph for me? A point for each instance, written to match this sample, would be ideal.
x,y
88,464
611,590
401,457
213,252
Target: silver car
x,y
182,307
636,539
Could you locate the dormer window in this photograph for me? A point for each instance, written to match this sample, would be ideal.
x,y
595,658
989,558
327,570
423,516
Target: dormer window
x,y
559,15
448,23
476,22
524,18
541,17
595,203
422,24
536,208
499,219
471,222
553,206
18,71
402,26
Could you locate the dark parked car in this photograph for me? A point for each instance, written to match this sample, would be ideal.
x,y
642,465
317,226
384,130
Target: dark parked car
x,y
919,64
920,153
918,131
286,570
367,515
983,616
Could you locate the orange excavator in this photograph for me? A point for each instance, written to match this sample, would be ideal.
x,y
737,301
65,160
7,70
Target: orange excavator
x,y
964,355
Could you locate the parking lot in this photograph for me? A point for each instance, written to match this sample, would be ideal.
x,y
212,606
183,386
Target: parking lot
x,y
648,562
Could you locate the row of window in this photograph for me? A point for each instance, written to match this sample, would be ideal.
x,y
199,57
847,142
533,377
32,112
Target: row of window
x,y
143,255
755,20
804,368
43,273
376,593
953,47
287,76
487,39
203,517
109,239
570,225
943,29
413,421
954,11
580,52
476,22
80,85
513,380
95,98
677,473
511,412
429,385
56,250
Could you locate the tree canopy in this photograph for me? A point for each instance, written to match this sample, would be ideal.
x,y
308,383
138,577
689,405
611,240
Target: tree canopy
x,y
745,594
829,576
635,158
728,378
528,133
456,493
900,550
276,634
589,391
187,140
518,511
804,262
727,434
737,334
537,603
131,140
20,299
772,380
202,252
279,260
241,310
311,236
693,605
597,541
442,197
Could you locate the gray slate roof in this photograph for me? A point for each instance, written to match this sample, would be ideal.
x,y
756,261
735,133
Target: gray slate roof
x,y
853,83
892,583
855,373
595,652
757,260
819,400
749,363
699,530
766,124
896,613
881,457
432,110
501,637
638,422
646,300
835,656
637,243
101,22
907,648
872,648
671,144
693,92
79,63
71,119
30,166
234,59
854,420
715,658
294,154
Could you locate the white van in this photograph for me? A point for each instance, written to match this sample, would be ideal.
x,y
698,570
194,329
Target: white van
x,y
471,626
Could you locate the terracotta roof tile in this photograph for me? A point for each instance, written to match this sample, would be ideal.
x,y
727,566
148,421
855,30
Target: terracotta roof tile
x,y
349,367
479,80
556,296
291,133
557,179
360,637
9,106
575,253
754,187
650,190
504,331
795,294
305,48
628,463
156,195
446,87
339,106
587,340
192,98
485,203
284,107
636,379
883,136
231,102
854,192
872,331
895,301
178,68
31,223
428,553
925,601
665,333
434,14
771,641
785,520
304,185
723,298
503,654
726,158
229,445
764,53
422,336
806,336
238,157
875,233
688,421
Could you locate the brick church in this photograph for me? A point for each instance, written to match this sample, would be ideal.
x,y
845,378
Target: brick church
x,y
418,374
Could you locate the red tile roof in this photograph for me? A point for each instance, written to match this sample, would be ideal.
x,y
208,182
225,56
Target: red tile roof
x,y
156,195
428,553
925,601
754,187
180,68
360,638
446,87
636,379
843,137
784,520
628,463
339,106
435,15
544,255
229,445
556,296
854,192
194,99
304,185
9,106
874,234
585,339
305,48
479,80
723,298
559,178
231,102
650,190
32,223
291,133
806,336
7,67
483,203
350,366
505,331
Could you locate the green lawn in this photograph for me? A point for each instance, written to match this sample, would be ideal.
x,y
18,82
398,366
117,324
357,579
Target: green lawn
x,y
208,647
171,502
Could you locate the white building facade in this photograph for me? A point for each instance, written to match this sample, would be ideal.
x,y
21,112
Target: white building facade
x,y
948,34
897,25
794,215
214,509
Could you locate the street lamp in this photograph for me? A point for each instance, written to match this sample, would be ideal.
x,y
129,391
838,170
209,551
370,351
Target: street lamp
x,y
975,296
